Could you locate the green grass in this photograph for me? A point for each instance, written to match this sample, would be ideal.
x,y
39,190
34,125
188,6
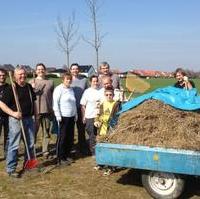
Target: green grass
x,y
154,83
162,82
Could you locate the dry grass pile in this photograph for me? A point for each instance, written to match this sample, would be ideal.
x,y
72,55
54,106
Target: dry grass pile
x,y
154,123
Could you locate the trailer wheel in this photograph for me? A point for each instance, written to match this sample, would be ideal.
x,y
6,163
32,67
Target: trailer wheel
x,y
163,185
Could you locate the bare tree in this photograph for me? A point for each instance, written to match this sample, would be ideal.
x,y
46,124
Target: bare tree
x,y
94,6
67,35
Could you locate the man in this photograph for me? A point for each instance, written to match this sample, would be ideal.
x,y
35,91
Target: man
x,y
79,84
3,116
26,98
43,89
104,71
107,83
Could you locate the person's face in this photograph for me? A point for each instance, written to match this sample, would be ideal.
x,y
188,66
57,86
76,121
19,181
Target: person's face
x,y
94,82
74,70
179,76
104,69
107,83
67,81
40,71
2,77
109,95
20,76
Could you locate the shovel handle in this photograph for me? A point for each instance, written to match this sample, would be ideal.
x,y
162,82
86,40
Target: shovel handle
x,y
19,110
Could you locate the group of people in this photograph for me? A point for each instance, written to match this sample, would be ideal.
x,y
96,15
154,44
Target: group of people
x,y
37,104
90,104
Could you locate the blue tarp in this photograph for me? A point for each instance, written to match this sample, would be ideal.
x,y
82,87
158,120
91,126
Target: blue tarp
x,y
175,97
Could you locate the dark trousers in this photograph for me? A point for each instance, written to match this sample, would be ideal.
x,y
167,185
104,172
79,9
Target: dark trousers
x,y
92,132
4,128
65,137
81,132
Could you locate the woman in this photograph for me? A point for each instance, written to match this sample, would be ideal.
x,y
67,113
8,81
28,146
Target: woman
x,y
182,80
64,106
89,103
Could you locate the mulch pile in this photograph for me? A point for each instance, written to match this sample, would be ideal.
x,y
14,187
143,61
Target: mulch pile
x,y
154,123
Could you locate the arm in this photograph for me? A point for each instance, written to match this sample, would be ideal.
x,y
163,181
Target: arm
x,y
188,84
56,103
83,113
9,111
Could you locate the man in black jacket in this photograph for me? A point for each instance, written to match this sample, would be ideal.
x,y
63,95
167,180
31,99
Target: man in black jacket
x,y
3,116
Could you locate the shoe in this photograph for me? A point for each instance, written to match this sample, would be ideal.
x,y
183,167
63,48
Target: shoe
x,y
64,162
71,160
14,174
97,167
107,172
46,155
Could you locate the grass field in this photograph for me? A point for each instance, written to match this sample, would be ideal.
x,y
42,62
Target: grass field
x,y
154,82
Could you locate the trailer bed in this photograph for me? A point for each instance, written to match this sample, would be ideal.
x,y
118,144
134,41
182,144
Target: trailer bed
x,y
149,158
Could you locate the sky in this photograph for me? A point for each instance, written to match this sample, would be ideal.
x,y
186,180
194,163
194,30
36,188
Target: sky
x,y
138,34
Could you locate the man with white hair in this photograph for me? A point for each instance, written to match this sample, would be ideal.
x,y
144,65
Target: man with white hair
x,y
26,98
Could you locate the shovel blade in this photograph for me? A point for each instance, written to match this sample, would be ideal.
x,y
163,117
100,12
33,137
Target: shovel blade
x,y
31,164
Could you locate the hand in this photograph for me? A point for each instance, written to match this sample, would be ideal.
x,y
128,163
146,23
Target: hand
x,y
84,121
97,124
185,78
33,84
59,119
76,118
17,115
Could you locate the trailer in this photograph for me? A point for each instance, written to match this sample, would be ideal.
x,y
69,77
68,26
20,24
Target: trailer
x,y
164,170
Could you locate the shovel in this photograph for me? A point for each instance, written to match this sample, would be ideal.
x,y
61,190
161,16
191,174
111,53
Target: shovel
x,y
30,163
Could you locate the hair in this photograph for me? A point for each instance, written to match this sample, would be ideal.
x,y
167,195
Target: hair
x,y
104,64
3,71
40,64
93,76
67,74
109,89
180,70
74,64
19,67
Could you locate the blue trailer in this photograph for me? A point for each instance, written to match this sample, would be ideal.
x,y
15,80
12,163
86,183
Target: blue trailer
x,y
163,170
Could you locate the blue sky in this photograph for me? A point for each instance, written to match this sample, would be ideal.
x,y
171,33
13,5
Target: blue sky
x,y
146,34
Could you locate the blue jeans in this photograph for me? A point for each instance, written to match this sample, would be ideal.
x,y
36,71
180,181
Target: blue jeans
x,y
14,141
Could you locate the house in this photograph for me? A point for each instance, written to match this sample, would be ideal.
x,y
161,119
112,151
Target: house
x,y
150,73
87,70
57,72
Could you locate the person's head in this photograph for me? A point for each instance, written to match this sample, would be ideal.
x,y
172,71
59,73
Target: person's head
x,y
3,75
74,69
179,74
109,93
94,82
40,70
107,81
67,79
20,75
104,68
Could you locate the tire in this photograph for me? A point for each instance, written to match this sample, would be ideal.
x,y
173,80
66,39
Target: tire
x,y
161,185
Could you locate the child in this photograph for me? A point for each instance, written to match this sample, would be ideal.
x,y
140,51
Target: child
x,y
107,110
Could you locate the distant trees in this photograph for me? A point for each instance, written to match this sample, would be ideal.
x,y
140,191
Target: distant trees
x,y
7,67
67,35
